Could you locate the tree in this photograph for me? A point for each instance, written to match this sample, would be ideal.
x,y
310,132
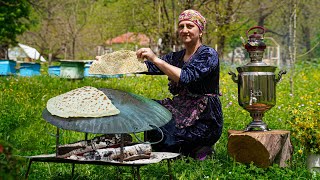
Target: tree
x,y
61,26
79,26
292,43
48,36
276,17
77,13
307,29
14,20
224,22
157,19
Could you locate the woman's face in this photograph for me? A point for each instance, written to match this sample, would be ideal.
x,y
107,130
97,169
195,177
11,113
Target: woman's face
x,y
189,32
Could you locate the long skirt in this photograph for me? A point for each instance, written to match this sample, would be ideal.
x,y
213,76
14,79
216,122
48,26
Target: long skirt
x,y
185,141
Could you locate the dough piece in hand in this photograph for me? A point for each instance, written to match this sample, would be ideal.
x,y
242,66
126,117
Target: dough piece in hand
x,y
82,102
118,62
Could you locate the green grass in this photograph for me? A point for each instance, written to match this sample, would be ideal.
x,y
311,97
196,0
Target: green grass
x,y
22,100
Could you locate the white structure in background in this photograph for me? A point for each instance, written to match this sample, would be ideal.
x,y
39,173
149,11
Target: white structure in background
x,y
272,53
238,55
24,51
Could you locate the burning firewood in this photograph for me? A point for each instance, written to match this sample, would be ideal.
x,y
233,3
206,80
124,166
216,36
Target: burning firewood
x,y
134,152
105,148
81,147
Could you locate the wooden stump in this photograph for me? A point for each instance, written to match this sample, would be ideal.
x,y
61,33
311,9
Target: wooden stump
x,y
263,148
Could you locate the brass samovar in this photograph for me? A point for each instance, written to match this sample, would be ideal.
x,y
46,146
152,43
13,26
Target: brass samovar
x,y
256,81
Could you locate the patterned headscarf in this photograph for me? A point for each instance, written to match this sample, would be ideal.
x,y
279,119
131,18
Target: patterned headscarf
x,y
193,16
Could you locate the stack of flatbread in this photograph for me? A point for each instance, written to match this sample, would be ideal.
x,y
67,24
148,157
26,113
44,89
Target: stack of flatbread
x,y
82,102
118,62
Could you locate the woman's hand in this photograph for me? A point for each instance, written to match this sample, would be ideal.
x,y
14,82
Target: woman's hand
x,y
97,57
171,71
146,53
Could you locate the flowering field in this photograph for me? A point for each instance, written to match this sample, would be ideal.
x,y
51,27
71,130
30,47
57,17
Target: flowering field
x,y
22,100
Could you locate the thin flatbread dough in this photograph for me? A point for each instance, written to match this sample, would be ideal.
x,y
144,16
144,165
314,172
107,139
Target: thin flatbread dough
x,y
118,62
82,102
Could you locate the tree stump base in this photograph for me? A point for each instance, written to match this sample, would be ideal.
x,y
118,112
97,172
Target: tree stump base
x,y
263,148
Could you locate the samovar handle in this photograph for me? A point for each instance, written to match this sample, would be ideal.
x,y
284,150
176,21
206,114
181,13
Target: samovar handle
x,y
256,27
280,75
234,76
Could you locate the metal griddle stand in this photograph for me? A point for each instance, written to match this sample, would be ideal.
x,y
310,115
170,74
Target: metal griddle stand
x,y
142,113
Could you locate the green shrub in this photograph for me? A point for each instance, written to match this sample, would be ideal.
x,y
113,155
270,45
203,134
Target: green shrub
x,y
10,165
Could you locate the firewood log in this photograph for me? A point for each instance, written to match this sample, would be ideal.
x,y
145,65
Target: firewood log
x,y
134,152
263,148
99,142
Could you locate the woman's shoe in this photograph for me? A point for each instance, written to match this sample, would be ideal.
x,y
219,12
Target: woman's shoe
x,y
203,153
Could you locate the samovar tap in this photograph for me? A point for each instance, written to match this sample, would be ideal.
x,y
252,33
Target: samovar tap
x,y
252,98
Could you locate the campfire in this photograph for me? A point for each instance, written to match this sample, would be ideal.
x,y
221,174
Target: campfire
x,y
105,148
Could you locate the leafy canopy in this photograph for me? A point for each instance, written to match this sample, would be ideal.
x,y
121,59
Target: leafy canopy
x,y
13,20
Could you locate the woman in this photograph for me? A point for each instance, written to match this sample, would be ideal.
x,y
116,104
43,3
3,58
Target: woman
x,y
193,75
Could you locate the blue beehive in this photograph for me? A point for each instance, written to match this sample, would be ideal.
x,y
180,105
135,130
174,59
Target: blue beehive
x,y
86,70
87,74
29,69
54,70
71,69
112,76
7,67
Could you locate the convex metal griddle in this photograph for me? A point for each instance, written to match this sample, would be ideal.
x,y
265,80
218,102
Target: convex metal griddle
x,y
137,114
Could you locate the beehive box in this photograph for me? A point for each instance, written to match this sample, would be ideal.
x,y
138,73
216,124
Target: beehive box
x,y
87,74
86,70
7,67
112,76
71,69
54,71
29,69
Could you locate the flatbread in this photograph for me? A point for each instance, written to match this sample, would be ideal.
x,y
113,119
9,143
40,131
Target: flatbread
x,y
118,62
82,102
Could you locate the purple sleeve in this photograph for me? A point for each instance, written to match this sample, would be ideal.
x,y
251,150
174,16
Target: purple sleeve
x,y
199,66
154,69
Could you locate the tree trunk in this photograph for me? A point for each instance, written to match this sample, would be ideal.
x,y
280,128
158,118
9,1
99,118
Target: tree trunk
x,y
292,45
73,48
263,148
4,51
221,43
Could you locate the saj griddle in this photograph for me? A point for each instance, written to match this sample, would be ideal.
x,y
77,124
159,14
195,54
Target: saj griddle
x,y
137,114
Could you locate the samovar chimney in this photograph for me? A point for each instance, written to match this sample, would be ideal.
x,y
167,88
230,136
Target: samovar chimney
x,y
256,81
